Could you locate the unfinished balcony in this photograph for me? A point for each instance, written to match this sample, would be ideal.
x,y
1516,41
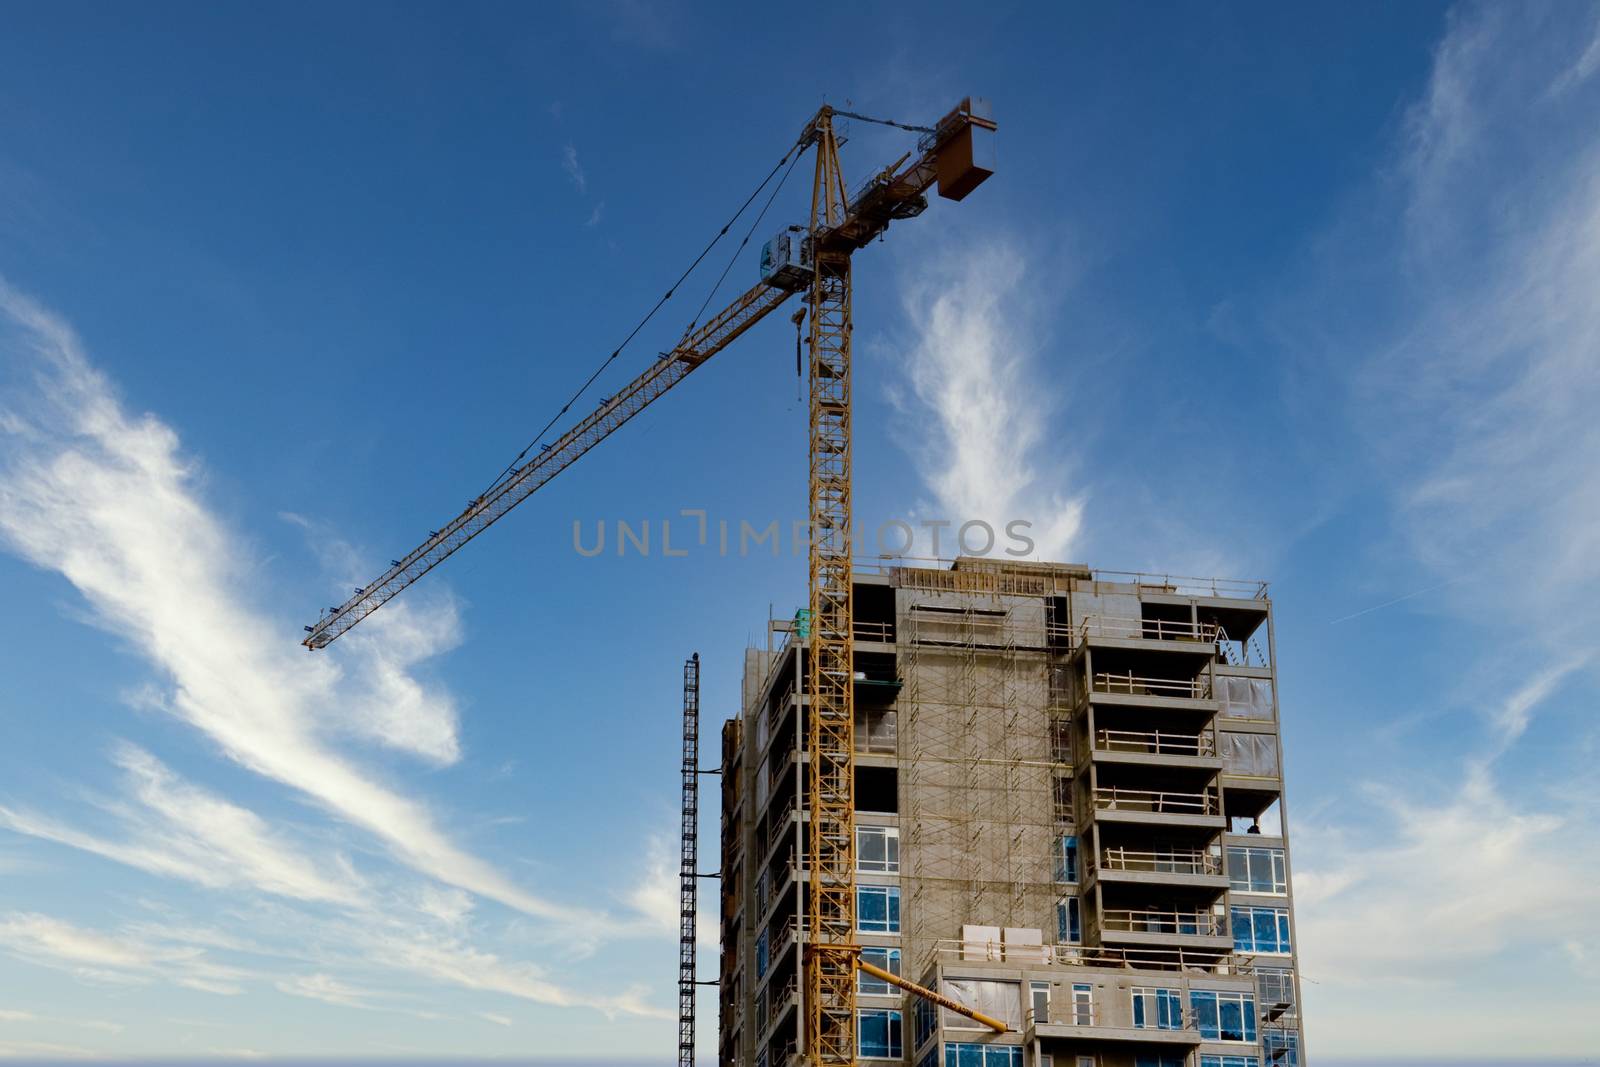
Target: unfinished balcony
x,y
1160,807
1199,868
1197,928
1192,748
1085,1019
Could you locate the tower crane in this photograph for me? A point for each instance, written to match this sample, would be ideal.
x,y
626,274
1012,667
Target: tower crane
x,y
956,155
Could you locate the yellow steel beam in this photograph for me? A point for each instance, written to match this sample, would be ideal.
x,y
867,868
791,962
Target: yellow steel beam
x,y
928,994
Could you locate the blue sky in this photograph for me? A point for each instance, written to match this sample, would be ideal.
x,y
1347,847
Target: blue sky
x,y
1292,293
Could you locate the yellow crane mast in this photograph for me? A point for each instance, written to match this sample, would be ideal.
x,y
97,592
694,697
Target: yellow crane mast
x,y
956,154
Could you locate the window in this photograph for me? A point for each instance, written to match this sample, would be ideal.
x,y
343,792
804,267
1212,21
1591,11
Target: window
x,y
1067,859
1082,1005
761,954
930,1058
878,849
962,1054
925,1018
1069,921
1260,929
1039,1001
1275,986
889,960
1063,800
878,1034
1257,870
1157,1009
878,909
1229,1061
1088,1061
1224,1015
1281,1047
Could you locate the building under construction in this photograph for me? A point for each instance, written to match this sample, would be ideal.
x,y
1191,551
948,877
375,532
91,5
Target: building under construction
x,y
1068,818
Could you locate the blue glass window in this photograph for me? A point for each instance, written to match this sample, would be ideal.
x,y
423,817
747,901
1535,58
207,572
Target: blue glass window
x,y
886,958
1069,921
878,1034
1224,1015
1229,1061
967,1054
878,909
761,954
1260,929
1067,859
1157,1009
925,1018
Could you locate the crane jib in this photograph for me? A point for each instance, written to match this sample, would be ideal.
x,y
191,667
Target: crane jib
x,y
661,376
956,154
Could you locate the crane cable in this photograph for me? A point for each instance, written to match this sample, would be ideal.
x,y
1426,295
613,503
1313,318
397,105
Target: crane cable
x,y
790,157
748,233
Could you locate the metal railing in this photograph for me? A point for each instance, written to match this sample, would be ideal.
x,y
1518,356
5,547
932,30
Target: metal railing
x,y
1147,629
1115,798
1130,683
1168,861
1156,742
1131,958
1072,1013
1142,921
873,631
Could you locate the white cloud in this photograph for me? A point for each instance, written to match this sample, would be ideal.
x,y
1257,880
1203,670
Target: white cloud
x,y
327,989
1477,396
109,501
574,169
980,398
494,1017
655,897
102,957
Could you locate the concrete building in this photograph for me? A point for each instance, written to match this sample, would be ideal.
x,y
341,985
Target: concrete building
x,y
1068,815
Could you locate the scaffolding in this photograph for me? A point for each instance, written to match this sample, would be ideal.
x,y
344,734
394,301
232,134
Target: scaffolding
x,y
977,754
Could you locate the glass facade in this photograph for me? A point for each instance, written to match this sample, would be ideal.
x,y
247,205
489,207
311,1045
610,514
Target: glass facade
x,y
1224,1015
964,1054
1257,870
1260,929
878,849
1069,921
1067,859
889,960
878,909
878,1034
1157,1009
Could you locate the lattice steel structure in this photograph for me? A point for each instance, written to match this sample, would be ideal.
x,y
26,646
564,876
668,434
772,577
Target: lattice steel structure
x,y
830,689
689,860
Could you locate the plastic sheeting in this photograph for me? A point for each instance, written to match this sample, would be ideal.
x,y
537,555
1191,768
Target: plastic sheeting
x,y
1252,754
1000,1000
1245,698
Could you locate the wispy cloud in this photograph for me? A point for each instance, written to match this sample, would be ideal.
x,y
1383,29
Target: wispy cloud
x,y
574,169
102,957
1477,396
976,410
179,830
109,501
327,989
